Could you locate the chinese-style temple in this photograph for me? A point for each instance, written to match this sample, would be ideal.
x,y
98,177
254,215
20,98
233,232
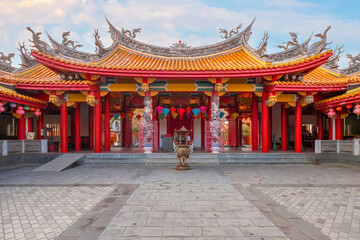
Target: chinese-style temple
x,y
133,94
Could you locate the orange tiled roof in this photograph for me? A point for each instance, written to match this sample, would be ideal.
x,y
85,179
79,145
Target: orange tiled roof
x,y
319,76
14,94
36,75
346,95
239,58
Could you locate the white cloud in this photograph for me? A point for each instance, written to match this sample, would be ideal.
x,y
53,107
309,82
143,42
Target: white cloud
x,y
165,22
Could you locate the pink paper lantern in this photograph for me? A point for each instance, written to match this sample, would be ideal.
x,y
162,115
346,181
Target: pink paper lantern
x,y
357,109
159,109
331,113
37,112
2,109
203,109
20,110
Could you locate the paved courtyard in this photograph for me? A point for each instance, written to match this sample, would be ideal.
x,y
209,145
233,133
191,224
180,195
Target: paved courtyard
x,y
222,202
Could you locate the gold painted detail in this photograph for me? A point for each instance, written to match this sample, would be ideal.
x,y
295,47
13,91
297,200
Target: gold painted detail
x,y
55,100
90,99
272,100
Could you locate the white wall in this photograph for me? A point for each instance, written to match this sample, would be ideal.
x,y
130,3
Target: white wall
x,y
197,133
163,129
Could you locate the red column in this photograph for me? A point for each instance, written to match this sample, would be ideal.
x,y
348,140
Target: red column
x,y
30,124
265,124
40,126
72,124
298,127
107,122
338,127
331,134
21,128
320,134
284,126
64,127
270,127
209,109
254,123
97,122
77,127
91,127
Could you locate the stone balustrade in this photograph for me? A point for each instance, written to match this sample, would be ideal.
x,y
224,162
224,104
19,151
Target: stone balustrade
x,y
22,146
338,146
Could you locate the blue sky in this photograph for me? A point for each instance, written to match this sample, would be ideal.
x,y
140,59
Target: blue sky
x,y
195,22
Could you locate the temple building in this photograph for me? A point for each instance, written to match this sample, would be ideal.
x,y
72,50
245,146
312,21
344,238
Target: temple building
x,y
231,96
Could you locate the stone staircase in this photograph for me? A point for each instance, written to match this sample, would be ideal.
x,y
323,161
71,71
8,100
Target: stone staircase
x,y
199,158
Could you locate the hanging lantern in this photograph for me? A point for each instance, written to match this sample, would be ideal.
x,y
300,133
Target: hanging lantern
x,y
123,115
130,114
188,110
26,108
198,116
117,107
204,117
338,108
32,109
159,109
357,109
37,112
196,111
192,117
138,116
203,109
172,110
161,116
165,111
116,116
235,115
168,117
2,109
174,115
181,112
228,117
20,110
349,106
331,113
13,105
221,115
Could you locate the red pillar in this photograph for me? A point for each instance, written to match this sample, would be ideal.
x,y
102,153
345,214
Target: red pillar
x,y
254,123
270,127
72,124
64,127
30,124
265,124
284,126
21,128
97,122
91,127
107,122
77,127
209,109
338,127
320,134
331,129
298,127
40,126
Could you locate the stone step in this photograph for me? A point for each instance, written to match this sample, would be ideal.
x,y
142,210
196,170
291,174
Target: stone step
x,y
175,161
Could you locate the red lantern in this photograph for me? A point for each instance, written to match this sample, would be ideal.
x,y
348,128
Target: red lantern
x,y
123,115
172,110
138,116
192,117
181,112
167,117
349,106
228,117
204,117
331,113
188,110
130,114
338,108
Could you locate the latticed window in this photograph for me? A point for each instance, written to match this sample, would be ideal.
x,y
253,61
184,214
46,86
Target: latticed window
x,y
55,129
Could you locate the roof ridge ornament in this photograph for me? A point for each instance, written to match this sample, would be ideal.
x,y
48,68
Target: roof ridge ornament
x,y
26,59
228,34
66,43
354,64
131,33
293,43
5,62
180,45
332,63
39,44
320,45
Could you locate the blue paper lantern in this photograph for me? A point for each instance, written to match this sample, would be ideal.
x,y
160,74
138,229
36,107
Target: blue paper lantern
x,y
165,111
221,114
116,116
196,111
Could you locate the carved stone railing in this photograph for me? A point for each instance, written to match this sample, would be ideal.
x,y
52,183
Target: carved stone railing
x,y
338,146
22,146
